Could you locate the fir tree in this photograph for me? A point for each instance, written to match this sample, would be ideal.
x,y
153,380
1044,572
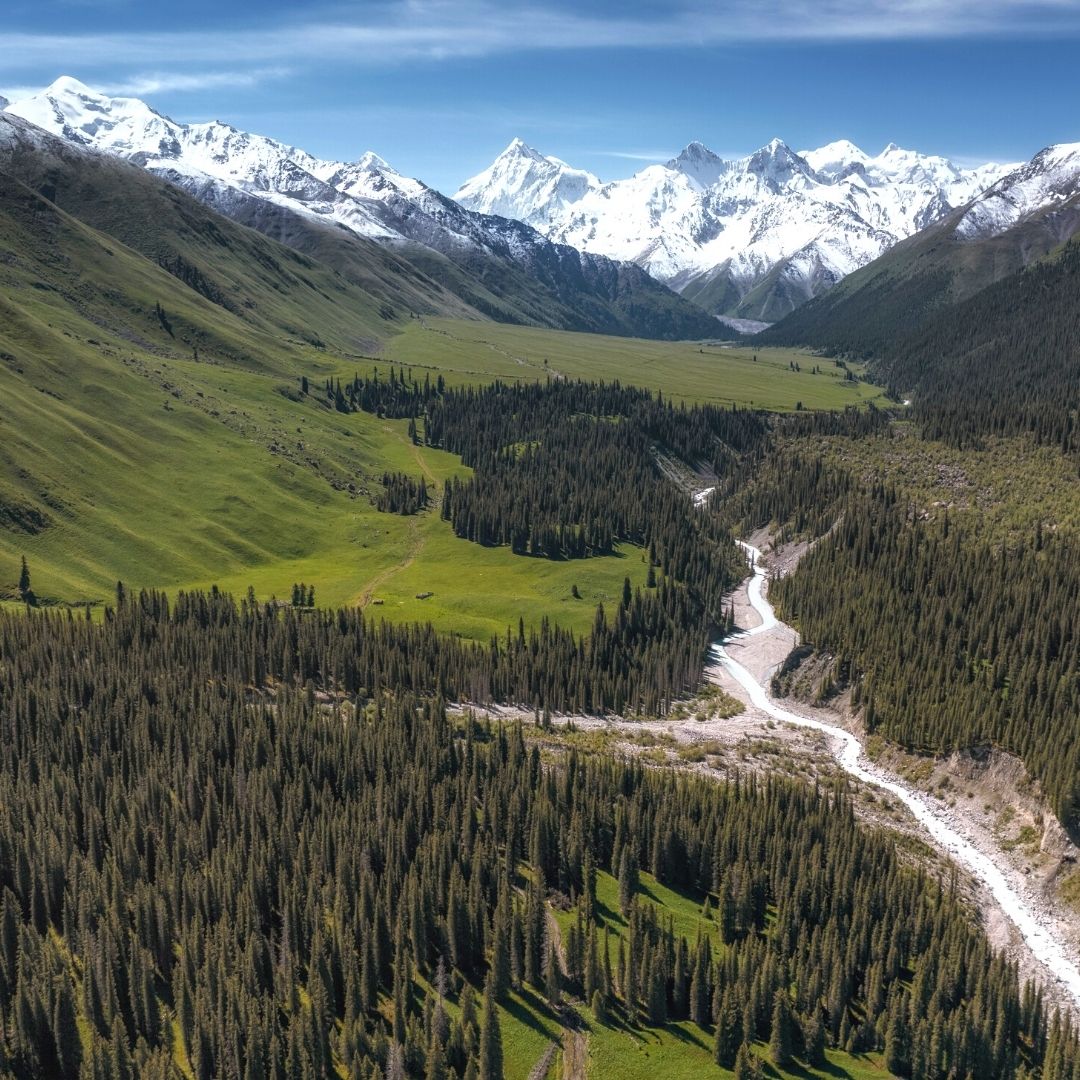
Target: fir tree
x,y
490,1064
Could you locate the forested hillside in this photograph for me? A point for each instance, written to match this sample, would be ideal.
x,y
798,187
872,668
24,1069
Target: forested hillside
x,y
953,642
900,293
216,863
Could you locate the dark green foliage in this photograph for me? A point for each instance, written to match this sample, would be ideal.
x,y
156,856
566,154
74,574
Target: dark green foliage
x,y
780,1036
303,596
490,1065
199,835
1002,362
746,1066
401,494
26,593
570,470
953,643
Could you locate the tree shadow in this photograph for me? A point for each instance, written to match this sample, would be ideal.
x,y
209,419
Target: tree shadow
x,y
801,1072
530,1009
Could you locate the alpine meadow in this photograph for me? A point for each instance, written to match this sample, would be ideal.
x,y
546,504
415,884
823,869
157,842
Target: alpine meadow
x,y
527,625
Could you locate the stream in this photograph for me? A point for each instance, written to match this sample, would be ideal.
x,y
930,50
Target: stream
x,y
1019,908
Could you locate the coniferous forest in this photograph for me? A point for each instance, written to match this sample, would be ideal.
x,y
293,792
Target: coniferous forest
x,y
207,859
247,840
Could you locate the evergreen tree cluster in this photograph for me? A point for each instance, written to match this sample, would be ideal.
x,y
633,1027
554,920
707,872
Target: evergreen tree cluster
x,y
568,470
402,494
395,397
211,859
954,643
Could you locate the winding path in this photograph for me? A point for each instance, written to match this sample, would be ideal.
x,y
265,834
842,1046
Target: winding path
x,y
848,751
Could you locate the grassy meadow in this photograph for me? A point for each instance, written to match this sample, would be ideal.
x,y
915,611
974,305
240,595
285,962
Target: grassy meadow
x,y
718,373
151,435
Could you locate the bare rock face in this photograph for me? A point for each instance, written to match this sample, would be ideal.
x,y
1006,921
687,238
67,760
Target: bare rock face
x,y
1056,842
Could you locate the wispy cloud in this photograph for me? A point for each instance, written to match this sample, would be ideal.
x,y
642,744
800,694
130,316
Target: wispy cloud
x,y
411,30
141,85
630,155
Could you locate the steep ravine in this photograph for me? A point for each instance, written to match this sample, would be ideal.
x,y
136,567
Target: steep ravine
x,y
742,659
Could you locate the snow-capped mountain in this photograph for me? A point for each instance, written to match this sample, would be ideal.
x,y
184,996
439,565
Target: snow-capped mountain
x,y
718,229
228,169
525,185
1052,176
1020,219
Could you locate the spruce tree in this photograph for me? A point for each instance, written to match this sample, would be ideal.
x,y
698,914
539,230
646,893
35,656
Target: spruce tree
x,y
780,1031
814,1040
490,1063
628,880
727,1037
746,1066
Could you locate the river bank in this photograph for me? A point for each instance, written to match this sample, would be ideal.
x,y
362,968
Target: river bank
x,y
1024,923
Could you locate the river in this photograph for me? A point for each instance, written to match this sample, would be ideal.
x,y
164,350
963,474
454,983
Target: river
x,y
945,834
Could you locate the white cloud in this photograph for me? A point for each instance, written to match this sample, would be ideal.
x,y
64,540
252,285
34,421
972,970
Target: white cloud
x,y
142,85
410,30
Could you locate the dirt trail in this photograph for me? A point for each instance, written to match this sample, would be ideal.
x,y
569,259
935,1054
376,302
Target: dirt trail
x,y
543,1065
575,1054
415,537
416,545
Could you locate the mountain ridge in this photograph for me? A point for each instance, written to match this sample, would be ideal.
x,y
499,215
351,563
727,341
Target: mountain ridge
x,y
501,268
1023,218
717,229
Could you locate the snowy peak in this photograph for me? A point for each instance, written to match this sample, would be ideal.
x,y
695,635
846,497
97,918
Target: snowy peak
x,y
522,183
1052,176
76,112
700,164
777,163
518,148
817,214
196,154
836,160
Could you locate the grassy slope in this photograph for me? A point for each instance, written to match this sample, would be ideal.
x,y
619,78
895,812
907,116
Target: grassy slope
x,y
149,466
685,371
125,457
165,471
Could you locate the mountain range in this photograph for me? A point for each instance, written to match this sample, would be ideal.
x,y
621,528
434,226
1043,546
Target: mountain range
x,y
661,254
500,268
1022,219
753,237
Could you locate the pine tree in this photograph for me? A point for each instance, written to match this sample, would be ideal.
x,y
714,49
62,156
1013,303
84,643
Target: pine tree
x,y
628,880
897,1041
746,1066
490,1065
728,1035
780,1032
24,579
814,1040
500,948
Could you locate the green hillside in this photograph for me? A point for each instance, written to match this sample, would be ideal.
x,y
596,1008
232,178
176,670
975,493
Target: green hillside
x,y
691,371
151,354
898,294
126,457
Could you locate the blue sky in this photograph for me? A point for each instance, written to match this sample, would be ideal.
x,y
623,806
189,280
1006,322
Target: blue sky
x,y
438,87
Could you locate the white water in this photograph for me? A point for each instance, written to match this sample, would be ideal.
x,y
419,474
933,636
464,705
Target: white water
x,y
848,751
